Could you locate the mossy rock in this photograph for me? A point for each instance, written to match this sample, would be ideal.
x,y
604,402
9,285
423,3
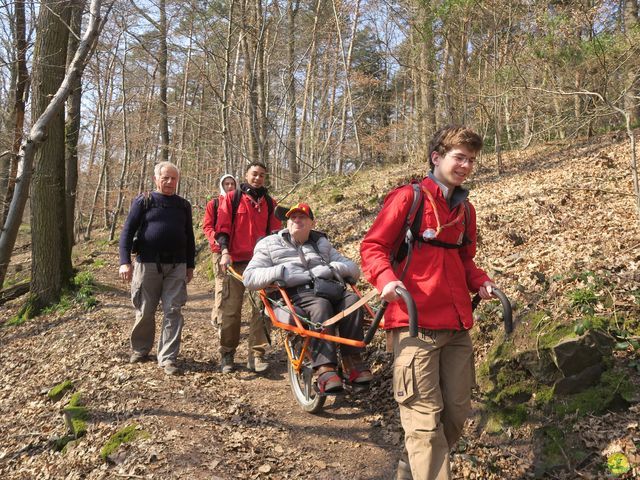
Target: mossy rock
x,y
614,392
76,416
539,363
125,435
499,419
516,393
57,392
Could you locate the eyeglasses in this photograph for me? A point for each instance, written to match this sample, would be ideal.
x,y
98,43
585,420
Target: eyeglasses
x,y
461,160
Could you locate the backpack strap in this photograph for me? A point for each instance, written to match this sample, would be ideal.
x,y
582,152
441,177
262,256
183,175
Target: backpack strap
x,y
314,236
465,238
411,226
216,204
270,207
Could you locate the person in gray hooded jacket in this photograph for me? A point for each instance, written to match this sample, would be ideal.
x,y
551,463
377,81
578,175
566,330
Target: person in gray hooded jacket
x,y
297,256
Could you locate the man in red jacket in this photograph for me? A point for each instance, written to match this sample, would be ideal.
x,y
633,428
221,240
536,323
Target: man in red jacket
x,y
237,232
433,373
227,184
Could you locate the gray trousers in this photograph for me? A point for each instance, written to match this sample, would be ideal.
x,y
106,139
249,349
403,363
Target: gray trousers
x,y
148,288
320,309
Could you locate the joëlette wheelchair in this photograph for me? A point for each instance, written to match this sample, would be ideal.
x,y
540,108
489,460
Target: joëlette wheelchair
x,y
298,332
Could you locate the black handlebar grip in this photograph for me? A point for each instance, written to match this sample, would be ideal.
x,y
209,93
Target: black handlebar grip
x,y
507,312
411,310
374,325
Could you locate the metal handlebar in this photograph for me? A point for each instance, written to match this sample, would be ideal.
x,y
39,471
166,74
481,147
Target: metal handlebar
x,y
411,309
507,312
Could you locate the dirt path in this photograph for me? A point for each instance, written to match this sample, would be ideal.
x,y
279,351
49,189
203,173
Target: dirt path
x,y
200,425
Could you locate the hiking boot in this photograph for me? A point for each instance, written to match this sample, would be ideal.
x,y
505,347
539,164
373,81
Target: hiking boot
x,y
257,363
226,363
137,357
170,368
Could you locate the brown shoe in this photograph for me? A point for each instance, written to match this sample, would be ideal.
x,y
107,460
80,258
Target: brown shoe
x,y
226,363
170,368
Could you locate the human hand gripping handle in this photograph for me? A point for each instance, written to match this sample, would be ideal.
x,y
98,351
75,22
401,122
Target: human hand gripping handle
x,y
398,292
225,260
489,290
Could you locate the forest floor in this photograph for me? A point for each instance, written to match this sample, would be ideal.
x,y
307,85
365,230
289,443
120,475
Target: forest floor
x,y
555,211
201,424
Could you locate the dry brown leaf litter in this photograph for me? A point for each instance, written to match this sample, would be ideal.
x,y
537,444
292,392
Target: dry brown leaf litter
x,y
554,210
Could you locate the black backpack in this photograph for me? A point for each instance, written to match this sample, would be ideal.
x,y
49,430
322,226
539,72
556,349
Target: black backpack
x,y
146,205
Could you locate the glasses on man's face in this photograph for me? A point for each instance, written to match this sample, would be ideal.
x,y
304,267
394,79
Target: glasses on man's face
x,y
461,159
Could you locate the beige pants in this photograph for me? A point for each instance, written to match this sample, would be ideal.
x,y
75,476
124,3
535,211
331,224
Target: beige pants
x,y
432,379
230,316
218,286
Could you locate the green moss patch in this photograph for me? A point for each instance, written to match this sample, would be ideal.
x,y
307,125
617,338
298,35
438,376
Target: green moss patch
x,y
57,392
77,415
558,448
126,435
499,418
614,388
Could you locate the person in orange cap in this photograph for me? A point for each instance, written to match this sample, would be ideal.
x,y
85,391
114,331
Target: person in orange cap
x,y
302,258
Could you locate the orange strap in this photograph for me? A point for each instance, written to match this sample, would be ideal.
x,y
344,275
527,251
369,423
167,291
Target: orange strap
x,y
440,227
340,315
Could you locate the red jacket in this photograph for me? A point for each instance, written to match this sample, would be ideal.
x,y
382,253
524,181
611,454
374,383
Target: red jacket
x,y
439,279
208,225
249,226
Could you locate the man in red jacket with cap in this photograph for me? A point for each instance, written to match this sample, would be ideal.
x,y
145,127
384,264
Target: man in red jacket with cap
x,y
433,373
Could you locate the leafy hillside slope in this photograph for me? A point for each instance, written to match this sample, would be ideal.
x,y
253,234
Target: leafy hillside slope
x,y
559,234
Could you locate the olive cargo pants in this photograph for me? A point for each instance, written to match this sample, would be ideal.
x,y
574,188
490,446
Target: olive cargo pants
x,y
230,317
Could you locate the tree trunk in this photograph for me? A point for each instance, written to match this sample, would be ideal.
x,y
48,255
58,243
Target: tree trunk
x,y
10,168
37,137
292,114
224,103
163,60
346,98
127,148
308,82
632,88
72,127
50,259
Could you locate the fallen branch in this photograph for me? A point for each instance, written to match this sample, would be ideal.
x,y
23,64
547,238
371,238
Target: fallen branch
x,y
14,292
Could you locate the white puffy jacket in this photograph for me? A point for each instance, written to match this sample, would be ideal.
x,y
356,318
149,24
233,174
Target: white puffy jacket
x,y
276,257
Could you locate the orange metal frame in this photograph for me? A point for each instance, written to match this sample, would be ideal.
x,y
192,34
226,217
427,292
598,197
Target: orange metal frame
x,y
298,328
